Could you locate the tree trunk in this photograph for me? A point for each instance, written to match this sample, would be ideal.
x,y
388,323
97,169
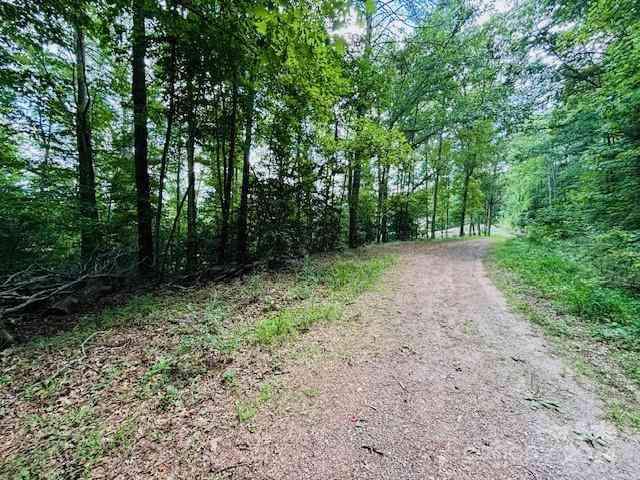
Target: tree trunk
x,y
165,148
354,196
435,189
139,94
435,203
491,199
192,246
353,203
228,176
86,175
465,192
246,170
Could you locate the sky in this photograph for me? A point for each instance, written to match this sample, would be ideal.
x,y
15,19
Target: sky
x,y
354,28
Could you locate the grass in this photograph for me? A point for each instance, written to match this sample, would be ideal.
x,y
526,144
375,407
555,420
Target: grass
x,y
554,285
161,355
289,322
76,435
573,286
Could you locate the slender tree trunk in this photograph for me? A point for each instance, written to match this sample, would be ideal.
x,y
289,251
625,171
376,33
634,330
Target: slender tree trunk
x,y
385,213
86,175
354,196
465,193
353,203
491,199
165,148
228,176
435,203
446,228
174,229
435,189
140,134
192,246
246,171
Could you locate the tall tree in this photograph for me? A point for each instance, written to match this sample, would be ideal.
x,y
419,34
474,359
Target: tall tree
x,y
140,135
86,178
246,172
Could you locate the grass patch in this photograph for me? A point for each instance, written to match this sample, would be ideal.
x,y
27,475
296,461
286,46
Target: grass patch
x,y
245,411
557,288
288,322
311,392
349,278
561,275
77,434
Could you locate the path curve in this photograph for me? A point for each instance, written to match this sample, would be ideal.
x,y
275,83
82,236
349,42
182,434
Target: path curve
x,y
437,381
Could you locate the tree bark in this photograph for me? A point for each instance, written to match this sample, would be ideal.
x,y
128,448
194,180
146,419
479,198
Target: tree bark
x,y
228,175
86,174
435,190
354,198
165,147
246,171
140,138
465,192
192,246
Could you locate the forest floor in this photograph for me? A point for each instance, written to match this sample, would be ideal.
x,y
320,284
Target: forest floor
x,y
400,362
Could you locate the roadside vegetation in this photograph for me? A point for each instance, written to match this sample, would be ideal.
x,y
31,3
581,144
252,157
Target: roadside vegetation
x,y
566,287
213,357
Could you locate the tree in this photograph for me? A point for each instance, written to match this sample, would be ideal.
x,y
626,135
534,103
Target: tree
x,y
140,133
86,175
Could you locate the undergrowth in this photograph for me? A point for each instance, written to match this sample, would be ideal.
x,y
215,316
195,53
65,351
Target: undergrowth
x,y
578,307
155,353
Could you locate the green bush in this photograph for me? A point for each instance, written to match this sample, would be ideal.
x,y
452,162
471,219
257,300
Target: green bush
x,y
564,273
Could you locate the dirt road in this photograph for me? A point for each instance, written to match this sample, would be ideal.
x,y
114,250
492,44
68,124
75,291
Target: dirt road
x,y
437,381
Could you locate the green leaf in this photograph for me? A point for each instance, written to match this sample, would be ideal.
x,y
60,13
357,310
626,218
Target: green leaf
x,y
261,26
369,7
340,45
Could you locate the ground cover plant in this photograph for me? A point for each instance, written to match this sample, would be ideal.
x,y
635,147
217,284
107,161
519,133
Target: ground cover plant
x,y
558,285
73,402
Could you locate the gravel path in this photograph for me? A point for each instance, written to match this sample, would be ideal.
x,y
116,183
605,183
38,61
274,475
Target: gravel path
x,y
437,380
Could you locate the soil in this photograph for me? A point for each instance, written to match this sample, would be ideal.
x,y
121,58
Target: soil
x,y
434,379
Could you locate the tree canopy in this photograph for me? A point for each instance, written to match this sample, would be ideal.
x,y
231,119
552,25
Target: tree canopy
x,y
188,135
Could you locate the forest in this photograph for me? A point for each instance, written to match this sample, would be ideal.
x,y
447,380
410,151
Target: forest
x,y
181,136
232,211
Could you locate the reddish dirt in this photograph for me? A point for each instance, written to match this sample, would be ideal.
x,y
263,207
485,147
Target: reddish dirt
x,y
436,379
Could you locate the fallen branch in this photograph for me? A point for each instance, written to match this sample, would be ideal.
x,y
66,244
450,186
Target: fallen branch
x,y
231,467
68,365
372,449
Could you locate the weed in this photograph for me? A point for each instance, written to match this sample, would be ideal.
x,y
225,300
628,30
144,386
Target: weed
x,y
290,321
311,392
124,434
622,414
157,382
350,278
266,393
229,378
214,313
245,411
301,291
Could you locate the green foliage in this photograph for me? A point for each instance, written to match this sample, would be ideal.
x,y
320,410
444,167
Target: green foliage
x,y
559,272
290,321
245,411
585,310
350,278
